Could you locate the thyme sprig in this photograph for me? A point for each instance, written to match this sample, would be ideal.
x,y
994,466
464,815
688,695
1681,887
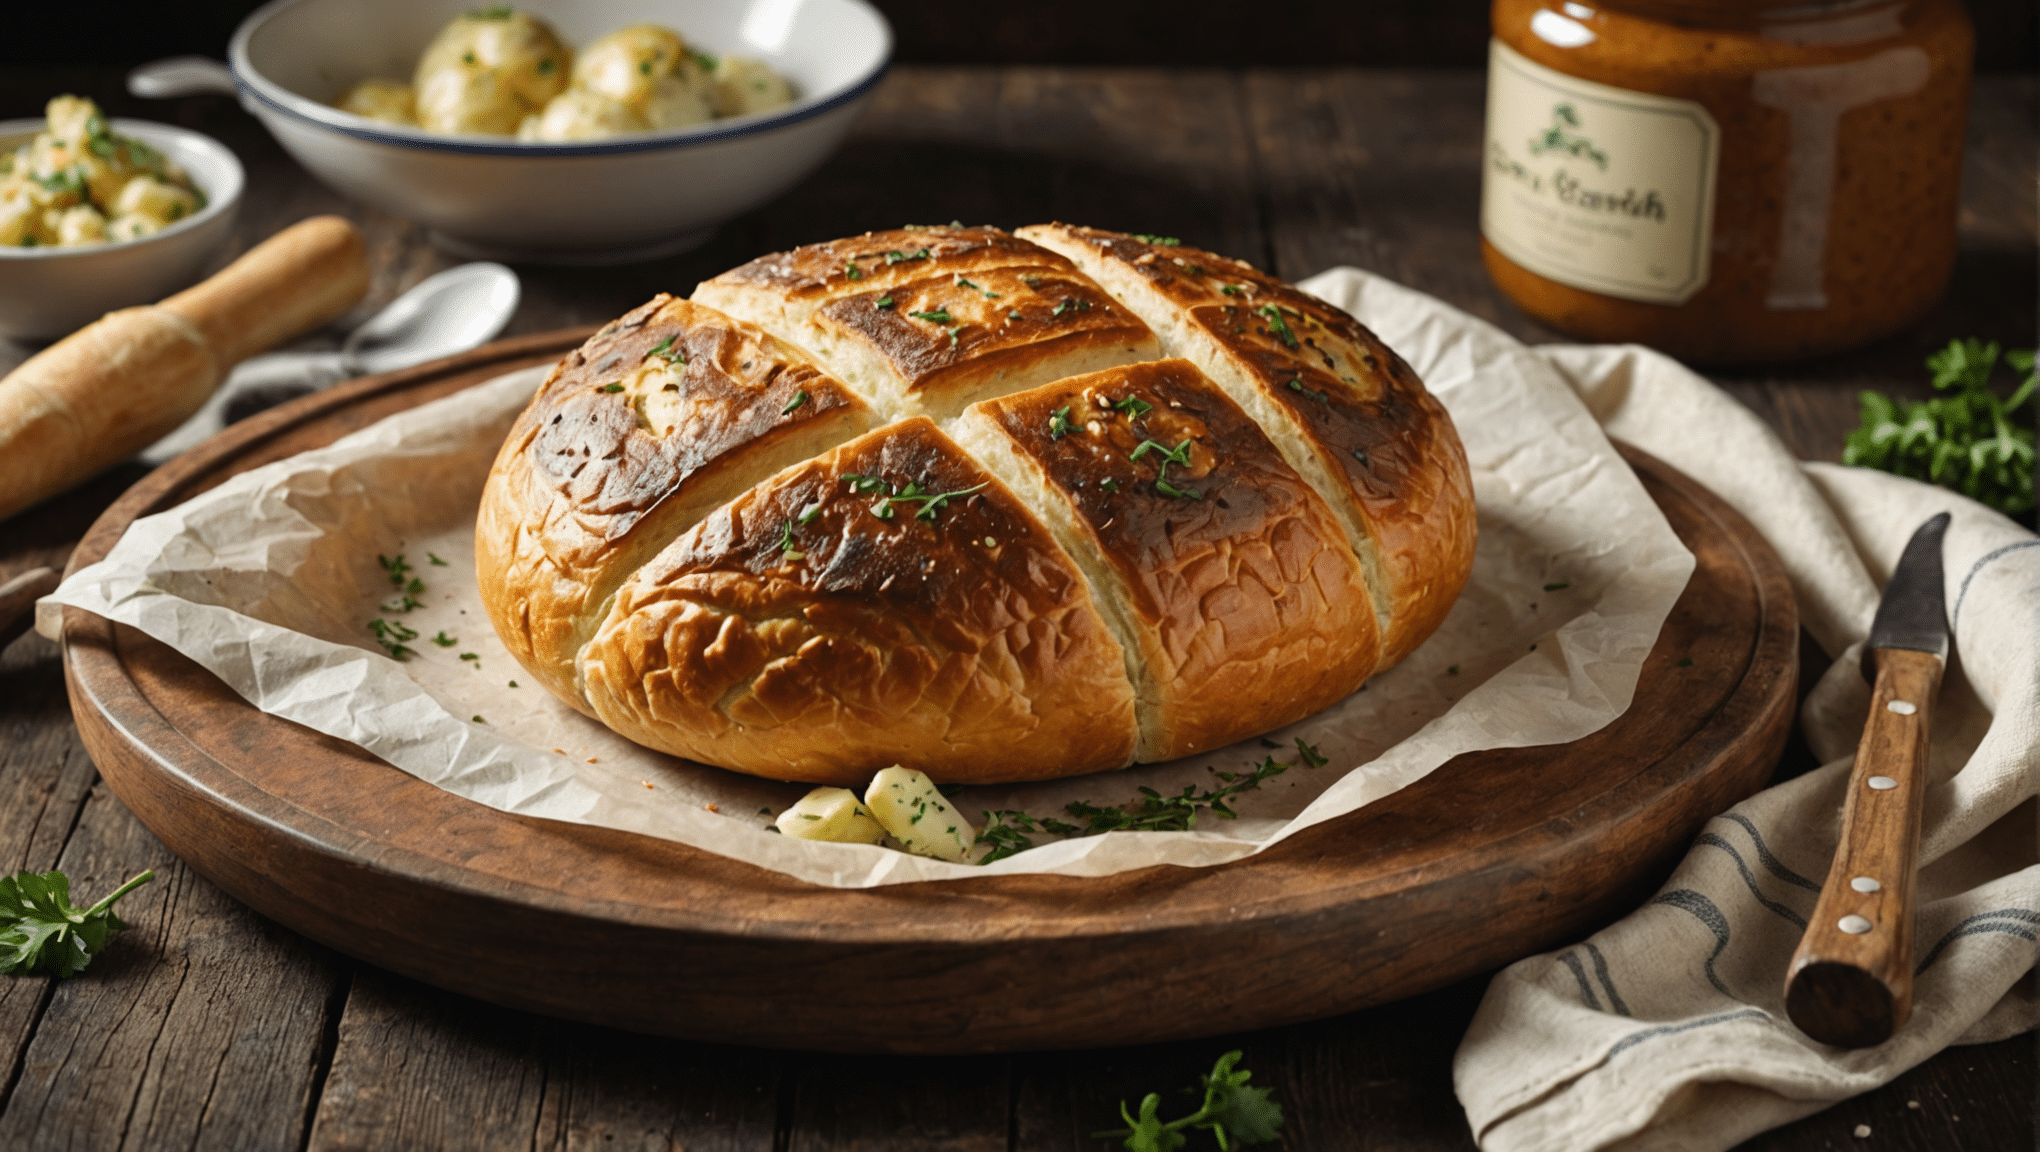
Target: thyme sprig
x,y
1011,832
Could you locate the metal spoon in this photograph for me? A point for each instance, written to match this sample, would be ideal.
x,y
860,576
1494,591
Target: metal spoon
x,y
453,311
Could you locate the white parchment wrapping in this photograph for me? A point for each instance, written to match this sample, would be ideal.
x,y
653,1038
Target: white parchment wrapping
x,y
269,579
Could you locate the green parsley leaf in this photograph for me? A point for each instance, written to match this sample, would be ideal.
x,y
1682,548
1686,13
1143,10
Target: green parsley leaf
x,y
664,350
1163,241
445,641
612,386
1237,1115
1296,385
1556,586
852,271
901,257
882,302
864,484
938,316
1310,754
1965,439
395,568
1133,407
786,547
1277,324
391,635
40,930
808,513
1059,423
1232,290
1180,454
799,398
435,561
1168,489
546,66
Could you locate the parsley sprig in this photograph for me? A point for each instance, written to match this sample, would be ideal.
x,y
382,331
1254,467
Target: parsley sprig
x,y
1964,439
40,930
1237,1115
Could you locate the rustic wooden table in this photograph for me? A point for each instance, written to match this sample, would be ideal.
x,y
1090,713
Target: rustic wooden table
x,y
207,1026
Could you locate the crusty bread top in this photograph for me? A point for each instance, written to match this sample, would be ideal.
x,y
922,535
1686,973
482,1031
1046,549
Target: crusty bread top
x,y
657,418
1369,422
1249,608
848,611
694,533
929,320
658,396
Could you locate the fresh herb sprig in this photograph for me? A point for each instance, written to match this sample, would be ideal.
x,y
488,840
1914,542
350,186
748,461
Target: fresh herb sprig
x,y
1965,439
1010,832
40,930
1239,1116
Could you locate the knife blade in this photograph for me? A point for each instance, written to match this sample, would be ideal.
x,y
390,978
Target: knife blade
x,y
1850,982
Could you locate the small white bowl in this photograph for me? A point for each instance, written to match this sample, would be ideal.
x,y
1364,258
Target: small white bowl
x,y
49,292
598,202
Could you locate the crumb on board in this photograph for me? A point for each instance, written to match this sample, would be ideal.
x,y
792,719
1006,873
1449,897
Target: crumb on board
x,y
561,751
712,808
592,760
1862,1131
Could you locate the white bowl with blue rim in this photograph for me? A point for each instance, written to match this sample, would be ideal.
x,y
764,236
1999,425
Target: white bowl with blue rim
x,y
48,292
627,198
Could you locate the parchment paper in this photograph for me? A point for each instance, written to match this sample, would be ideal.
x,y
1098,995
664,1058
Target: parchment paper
x,y
269,580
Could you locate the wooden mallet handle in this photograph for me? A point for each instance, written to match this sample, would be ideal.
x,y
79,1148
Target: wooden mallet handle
x,y
119,384
1850,983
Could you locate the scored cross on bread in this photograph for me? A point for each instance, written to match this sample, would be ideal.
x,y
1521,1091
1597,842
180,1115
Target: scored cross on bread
x,y
1063,554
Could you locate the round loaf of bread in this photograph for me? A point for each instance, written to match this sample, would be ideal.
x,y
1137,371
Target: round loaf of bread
x,y
997,506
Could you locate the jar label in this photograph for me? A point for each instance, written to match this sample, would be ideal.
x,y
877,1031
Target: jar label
x,y
1597,187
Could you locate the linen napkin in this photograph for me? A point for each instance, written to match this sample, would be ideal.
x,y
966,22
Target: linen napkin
x,y
1667,1030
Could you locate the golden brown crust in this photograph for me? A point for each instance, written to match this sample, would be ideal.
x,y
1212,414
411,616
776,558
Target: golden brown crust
x,y
817,629
1362,411
659,417
1248,610
926,321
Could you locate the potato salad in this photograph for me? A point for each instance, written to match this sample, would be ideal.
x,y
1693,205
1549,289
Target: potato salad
x,y
501,72
77,183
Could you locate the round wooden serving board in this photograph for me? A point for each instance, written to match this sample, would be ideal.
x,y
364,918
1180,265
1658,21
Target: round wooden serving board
x,y
1491,857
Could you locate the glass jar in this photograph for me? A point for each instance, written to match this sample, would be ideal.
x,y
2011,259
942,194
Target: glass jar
x,y
1726,180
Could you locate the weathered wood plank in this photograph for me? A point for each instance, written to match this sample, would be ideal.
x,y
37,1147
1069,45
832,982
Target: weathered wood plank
x,y
199,1028
899,1104
614,1091
415,1067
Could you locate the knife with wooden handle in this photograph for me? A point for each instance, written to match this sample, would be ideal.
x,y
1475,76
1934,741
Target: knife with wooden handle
x,y
1850,983
117,385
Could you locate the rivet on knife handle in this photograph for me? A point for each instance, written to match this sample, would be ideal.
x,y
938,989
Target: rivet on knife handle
x,y
1850,982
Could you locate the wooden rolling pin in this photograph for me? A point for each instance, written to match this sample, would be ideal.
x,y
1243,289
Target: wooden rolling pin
x,y
122,382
